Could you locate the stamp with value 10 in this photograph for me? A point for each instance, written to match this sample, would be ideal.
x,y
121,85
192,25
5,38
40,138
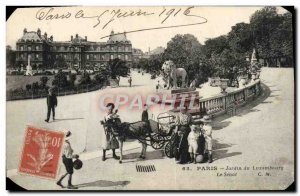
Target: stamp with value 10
x,y
41,152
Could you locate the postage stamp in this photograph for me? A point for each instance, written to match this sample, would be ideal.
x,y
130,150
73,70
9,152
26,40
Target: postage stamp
x,y
41,152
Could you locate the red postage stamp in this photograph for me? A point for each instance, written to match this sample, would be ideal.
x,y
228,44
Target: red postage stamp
x,y
41,152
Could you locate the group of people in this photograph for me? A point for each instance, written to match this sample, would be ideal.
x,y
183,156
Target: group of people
x,y
193,140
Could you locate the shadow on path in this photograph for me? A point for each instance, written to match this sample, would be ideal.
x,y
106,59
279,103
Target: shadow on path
x,y
220,151
219,123
134,157
103,183
64,119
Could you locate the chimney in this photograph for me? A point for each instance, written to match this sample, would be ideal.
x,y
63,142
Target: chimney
x,y
45,35
39,32
76,35
86,38
125,34
24,31
51,38
71,37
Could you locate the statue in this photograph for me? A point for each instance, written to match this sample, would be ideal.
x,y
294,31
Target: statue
x,y
254,66
28,68
172,74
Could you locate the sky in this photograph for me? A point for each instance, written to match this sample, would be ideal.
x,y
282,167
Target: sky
x,y
216,21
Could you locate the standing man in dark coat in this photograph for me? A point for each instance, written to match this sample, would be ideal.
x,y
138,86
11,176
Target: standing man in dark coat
x,y
145,118
145,115
51,104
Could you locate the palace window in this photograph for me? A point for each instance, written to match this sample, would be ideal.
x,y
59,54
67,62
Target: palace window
x,y
37,47
126,57
37,56
21,48
111,56
87,57
29,48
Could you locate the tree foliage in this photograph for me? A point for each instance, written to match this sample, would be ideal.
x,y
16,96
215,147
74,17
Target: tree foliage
x,y
117,68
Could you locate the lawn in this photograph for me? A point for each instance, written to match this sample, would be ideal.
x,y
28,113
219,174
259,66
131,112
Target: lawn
x,y
18,81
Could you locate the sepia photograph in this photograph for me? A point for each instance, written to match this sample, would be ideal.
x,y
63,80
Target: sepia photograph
x,y
150,98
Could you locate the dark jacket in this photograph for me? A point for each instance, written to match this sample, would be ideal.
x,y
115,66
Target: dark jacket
x,y
145,116
51,100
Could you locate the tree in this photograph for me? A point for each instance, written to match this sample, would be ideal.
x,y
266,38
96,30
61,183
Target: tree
x,y
265,23
240,38
101,79
72,79
181,48
155,63
10,56
215,46
117,68
60,79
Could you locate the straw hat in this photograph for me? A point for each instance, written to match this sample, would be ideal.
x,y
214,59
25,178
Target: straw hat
x,y
206,118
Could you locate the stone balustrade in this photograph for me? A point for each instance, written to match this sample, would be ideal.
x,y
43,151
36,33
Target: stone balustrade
x,y
220,104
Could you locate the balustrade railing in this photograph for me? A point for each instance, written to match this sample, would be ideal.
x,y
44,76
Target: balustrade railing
x,y
220,104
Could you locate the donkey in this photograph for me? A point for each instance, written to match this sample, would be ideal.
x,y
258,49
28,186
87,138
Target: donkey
x,y
125,130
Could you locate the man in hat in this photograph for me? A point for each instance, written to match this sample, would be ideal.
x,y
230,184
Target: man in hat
x,y
67,157
51,104
207,132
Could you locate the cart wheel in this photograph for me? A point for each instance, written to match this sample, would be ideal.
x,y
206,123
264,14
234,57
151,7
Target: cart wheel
x,y
157,141
169,150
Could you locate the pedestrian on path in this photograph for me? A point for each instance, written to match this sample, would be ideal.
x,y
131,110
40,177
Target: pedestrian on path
x,y
207,132
51,104
67,157
130,81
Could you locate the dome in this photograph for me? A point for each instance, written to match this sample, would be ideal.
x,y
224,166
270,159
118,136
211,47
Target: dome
x,y
119,37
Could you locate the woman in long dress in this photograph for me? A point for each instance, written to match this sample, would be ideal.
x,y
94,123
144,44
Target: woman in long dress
x,y
111,142
184,120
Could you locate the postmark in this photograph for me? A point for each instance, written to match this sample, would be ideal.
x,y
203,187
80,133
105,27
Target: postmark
x,y
41,152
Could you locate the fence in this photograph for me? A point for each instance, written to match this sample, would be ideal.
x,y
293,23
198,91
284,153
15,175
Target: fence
x,y
226,103
40,93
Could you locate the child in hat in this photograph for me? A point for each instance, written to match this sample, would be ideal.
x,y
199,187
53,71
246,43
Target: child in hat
x,y
207,132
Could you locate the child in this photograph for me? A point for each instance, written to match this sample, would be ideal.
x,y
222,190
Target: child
x,y
207,132
193,142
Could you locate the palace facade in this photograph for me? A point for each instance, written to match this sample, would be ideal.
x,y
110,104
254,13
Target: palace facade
x,y
78,52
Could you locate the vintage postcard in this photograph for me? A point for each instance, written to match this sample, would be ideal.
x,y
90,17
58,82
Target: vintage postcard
x,y
176,98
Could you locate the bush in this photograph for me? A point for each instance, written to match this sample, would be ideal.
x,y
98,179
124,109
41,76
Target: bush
x,y
85,79
28,87
44,81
